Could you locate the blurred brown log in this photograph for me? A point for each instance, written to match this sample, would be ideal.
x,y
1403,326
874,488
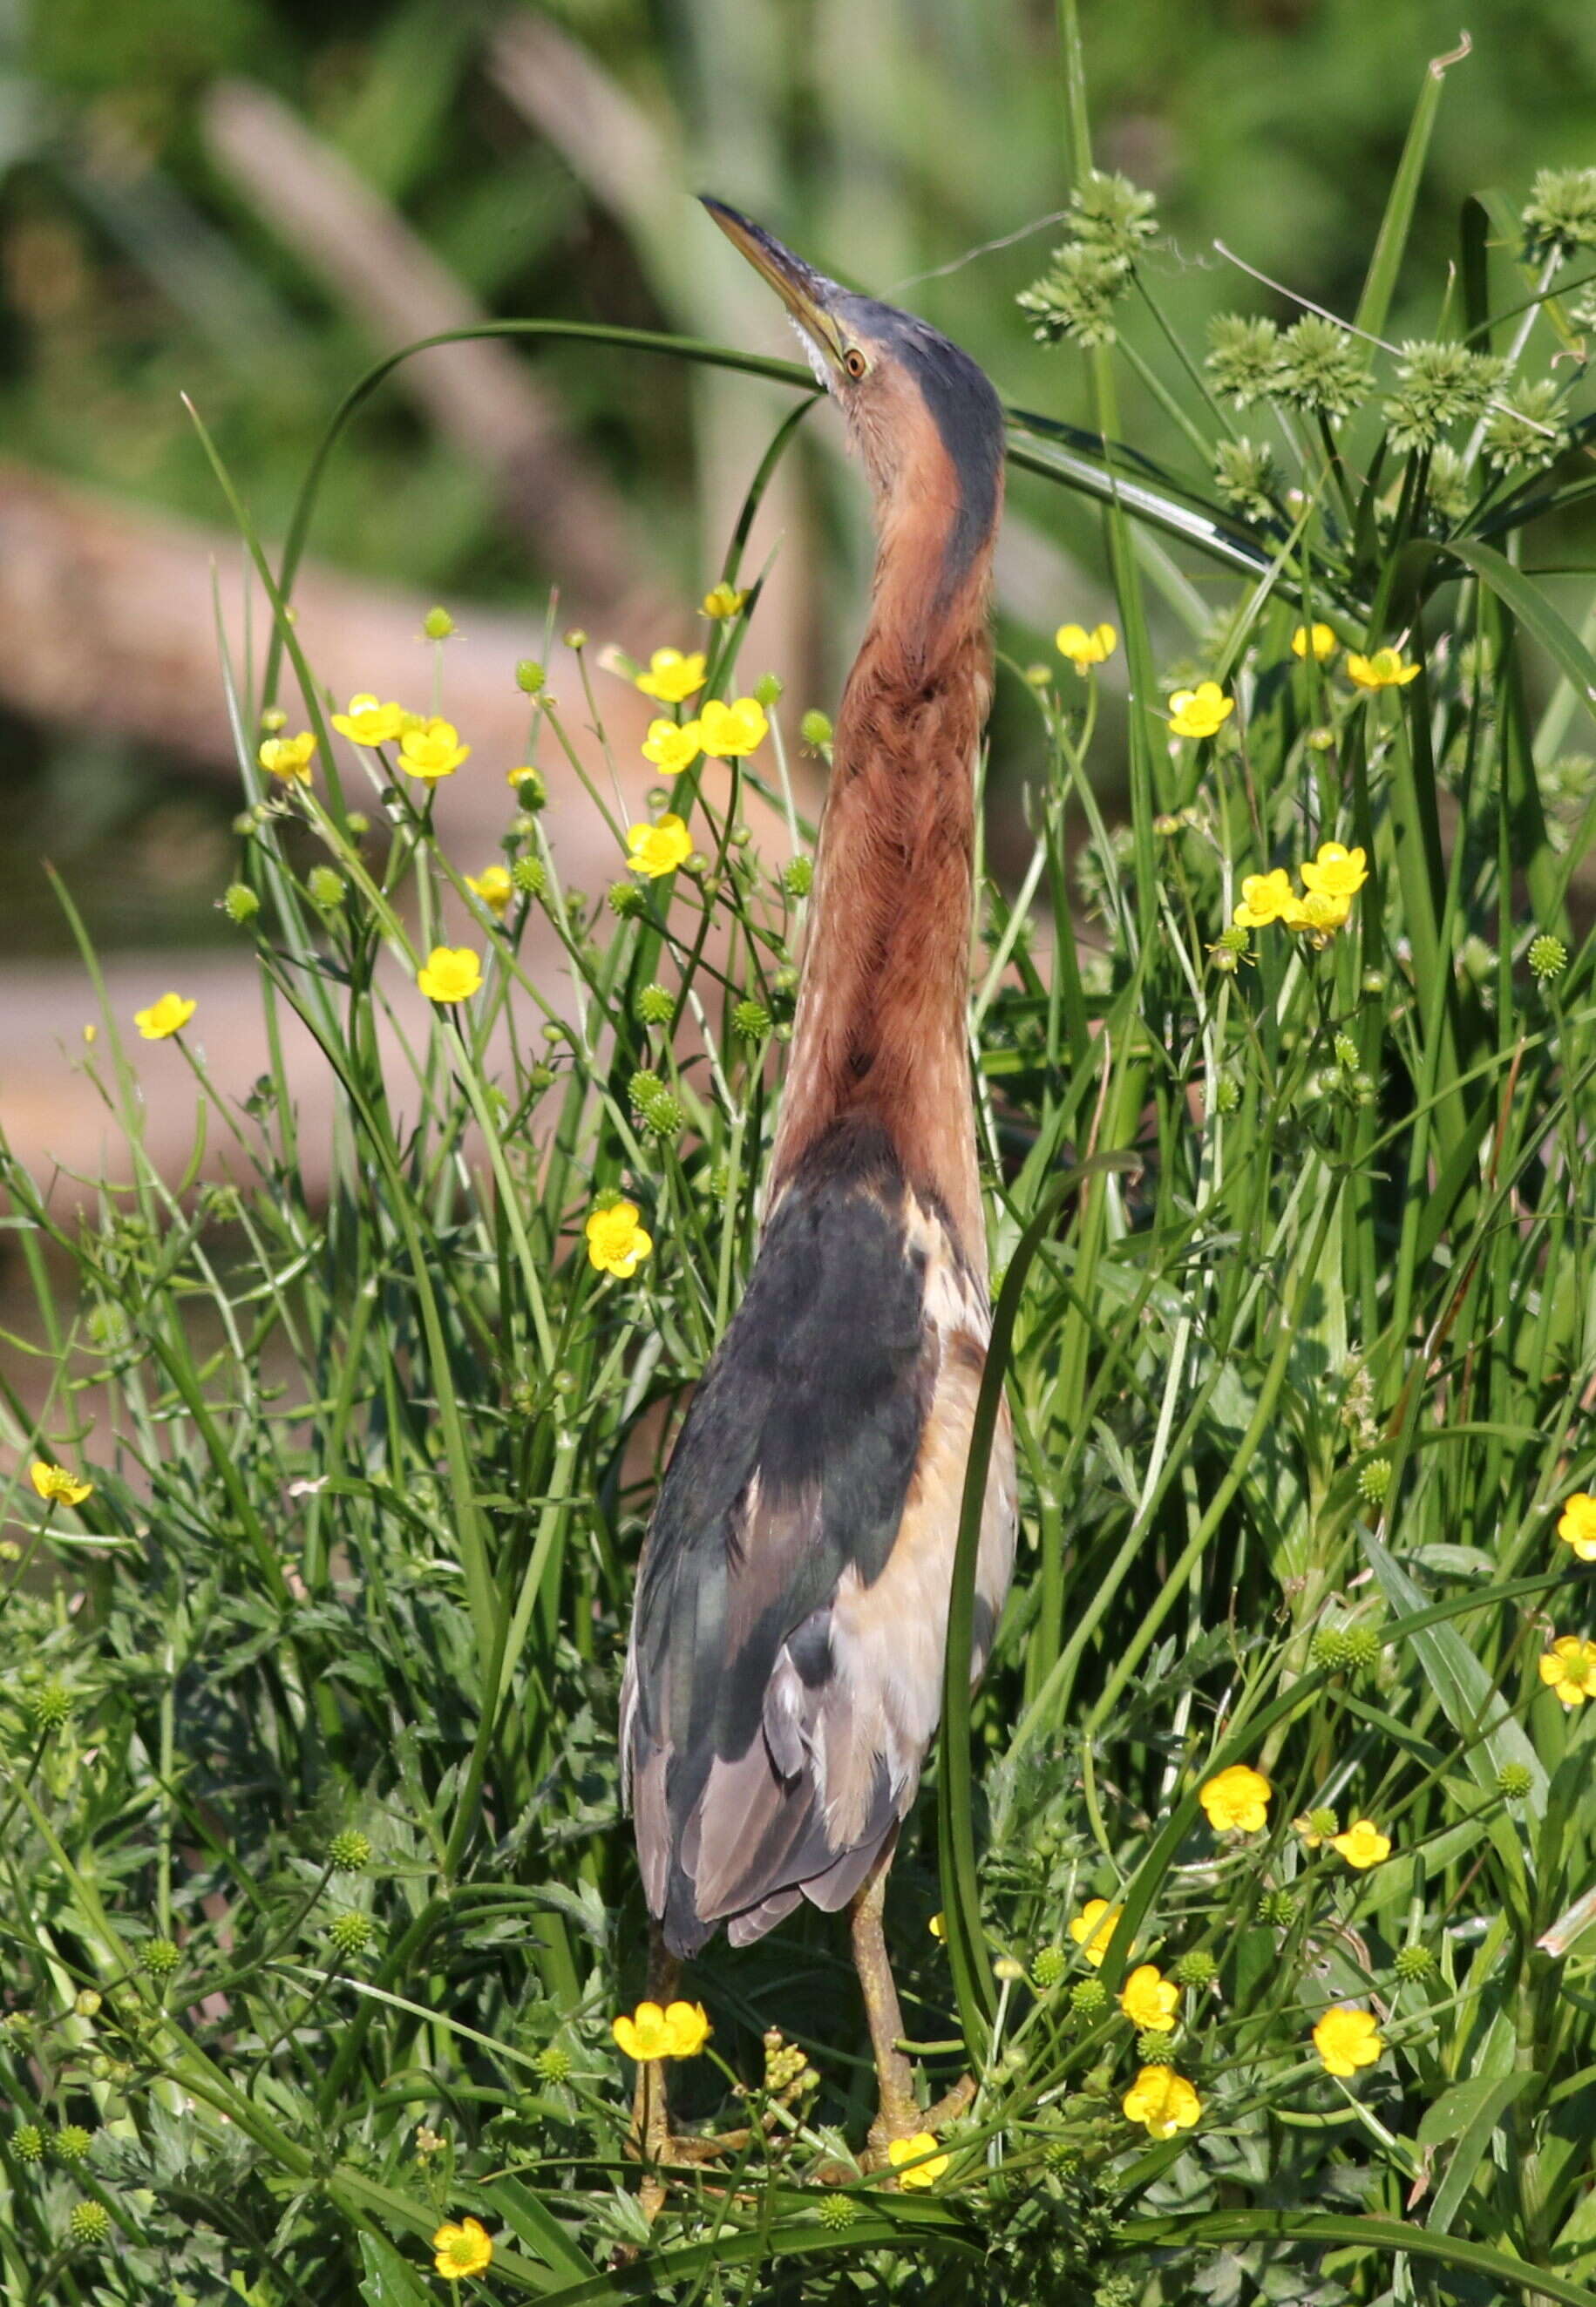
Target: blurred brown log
x,y
108,621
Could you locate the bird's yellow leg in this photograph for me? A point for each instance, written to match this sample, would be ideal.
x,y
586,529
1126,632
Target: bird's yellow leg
x,y
896,2115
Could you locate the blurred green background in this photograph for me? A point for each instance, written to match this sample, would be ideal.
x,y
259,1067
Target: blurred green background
x,y
247,202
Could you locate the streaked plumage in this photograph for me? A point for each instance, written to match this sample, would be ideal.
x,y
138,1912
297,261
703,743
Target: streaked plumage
x,y
784,1679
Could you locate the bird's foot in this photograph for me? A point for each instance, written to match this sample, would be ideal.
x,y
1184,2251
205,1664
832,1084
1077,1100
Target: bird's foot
x,y
900,2118
952,2104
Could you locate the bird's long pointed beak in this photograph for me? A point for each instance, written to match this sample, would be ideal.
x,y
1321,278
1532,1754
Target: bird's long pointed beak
x,y
802,290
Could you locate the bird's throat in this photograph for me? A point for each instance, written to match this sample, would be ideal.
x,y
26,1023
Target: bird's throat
x,y
881,1029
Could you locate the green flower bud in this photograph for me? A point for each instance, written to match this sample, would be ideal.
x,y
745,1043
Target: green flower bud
x,y
349,1852
529,876
815,728
1415,1963
1346,1049
767,689
1197,1969
539,1077
531,789
576,638
273,719
437,624
529,677
240,902
87,2003
89,2224
1227,1094
358,822
1373,982
327,889
798,879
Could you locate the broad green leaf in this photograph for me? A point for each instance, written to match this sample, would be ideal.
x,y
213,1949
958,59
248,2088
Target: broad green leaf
x,y
1474,2143
387,2280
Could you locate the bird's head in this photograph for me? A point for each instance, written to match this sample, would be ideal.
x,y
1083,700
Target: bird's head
x,y
924,418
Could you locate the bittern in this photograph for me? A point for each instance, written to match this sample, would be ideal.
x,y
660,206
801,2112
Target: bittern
x,y
784,1672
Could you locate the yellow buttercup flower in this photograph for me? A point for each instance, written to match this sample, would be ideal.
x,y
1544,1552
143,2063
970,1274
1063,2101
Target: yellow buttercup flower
x,y
677,2030
289,758
1083,648
658,849
1093,1927
463,2248
367,722
1265,897
1199,712
1362,1845
1347,2038
1383,670
452,973
1576,1524
617,1244
689,2027
1147,1998
431,750
671,676
1568,1670
1163,2102
493,884
1335,872
1319,913
164,1018
56,1486
722,600
671,747
1319,638
1237,1800
938,1927
727,732
900,2151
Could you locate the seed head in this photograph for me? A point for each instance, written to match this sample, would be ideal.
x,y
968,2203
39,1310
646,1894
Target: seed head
x,y
752,1020
1089,1997
1246,477
1278,1908
1321,368
1363,1647
1513,1780
552,2064
437,624
240,902
327,888
72,2142
798,879
624,898
530,876
89,2224
351,1934
1373,1481
835,2212
50,1706
1549,957
349,1852
1156,2047
1413,1964
1560,214
1329,1648
767,689
1049,1965
815,728
1197,1969
529,677
27,2143
654,1006
160,1957
1244,357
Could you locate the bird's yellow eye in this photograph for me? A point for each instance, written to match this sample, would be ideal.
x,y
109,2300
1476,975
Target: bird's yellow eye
x,y
854,362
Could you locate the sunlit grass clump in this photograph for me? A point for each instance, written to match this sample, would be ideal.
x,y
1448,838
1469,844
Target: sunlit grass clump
x,y
1254,1890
